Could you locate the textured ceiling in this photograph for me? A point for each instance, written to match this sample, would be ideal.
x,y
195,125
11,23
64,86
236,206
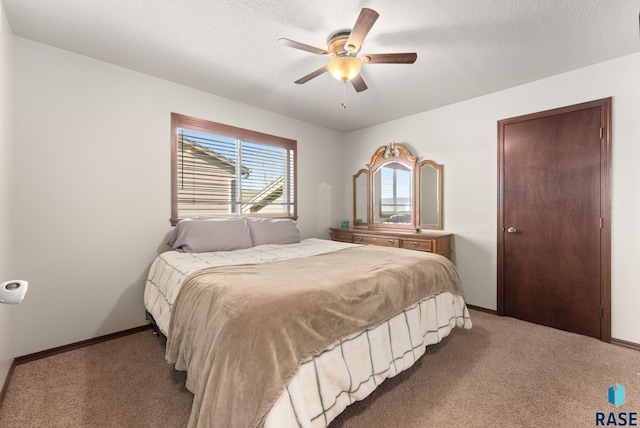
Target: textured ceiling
x,y
465,48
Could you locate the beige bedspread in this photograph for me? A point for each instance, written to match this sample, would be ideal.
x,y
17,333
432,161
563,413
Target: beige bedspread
x,y
241,331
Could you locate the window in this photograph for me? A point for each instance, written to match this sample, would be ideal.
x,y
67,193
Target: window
x,y
220,170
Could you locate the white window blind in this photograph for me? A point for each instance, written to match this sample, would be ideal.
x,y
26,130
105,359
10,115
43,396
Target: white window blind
x,y
396,190
226,171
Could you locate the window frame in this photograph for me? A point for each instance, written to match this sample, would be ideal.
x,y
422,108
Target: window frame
x,y
205,126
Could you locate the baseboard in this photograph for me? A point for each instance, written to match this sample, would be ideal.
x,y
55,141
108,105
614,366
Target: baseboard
x,y
625,344
5,387
70,347
480,309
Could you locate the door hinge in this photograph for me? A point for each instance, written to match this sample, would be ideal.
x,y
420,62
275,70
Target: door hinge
x,y
601,223
601,132
601,311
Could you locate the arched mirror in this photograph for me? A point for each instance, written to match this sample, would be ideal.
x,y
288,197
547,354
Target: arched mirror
x,y
429,189
397,192
361,198
393,194
391,181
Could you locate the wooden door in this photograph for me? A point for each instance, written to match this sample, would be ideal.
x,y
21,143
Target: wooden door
x,y
554,218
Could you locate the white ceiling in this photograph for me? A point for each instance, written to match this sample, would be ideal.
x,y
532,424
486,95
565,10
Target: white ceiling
x,y
465,48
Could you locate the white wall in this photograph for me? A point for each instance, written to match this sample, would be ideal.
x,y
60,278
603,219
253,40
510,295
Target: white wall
x,y
92,182
6,190
93,186
463,137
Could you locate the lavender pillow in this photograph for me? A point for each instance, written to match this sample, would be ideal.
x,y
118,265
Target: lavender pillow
x,y
273,231
199,235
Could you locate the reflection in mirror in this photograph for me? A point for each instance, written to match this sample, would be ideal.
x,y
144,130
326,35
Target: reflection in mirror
x,y
430,195
392,190
361,198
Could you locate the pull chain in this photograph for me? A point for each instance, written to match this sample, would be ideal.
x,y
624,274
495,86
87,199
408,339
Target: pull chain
x,y
344,94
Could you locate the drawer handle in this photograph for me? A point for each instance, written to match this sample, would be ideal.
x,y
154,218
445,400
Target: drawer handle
x,y
392,241
359,238
415,243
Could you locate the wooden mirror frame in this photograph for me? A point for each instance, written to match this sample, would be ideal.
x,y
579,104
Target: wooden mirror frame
x,y
367,192
438,194
386,154
395,152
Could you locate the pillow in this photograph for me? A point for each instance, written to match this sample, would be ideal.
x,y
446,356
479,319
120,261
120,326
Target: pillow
x,y
199,235
273,231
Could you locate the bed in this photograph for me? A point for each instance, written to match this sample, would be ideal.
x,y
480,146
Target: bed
x,y
276,331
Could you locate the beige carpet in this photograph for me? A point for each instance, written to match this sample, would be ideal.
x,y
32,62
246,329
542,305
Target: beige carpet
x,y
501,373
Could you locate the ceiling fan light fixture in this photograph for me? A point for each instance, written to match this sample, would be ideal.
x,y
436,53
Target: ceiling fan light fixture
x,y
343,47
344,68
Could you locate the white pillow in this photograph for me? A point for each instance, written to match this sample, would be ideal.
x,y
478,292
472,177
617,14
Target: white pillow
x,y
199,235
273,231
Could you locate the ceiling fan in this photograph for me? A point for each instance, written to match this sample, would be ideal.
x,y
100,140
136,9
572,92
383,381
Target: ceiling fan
x,y
343,48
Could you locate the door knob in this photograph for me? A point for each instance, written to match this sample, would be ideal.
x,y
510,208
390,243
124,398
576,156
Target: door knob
x,y
512,230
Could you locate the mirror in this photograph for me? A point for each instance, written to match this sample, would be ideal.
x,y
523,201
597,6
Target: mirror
x,y
392,190
361,198
397,192
429,195
392,194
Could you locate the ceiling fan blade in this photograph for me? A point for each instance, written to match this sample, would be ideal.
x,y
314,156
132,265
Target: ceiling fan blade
x,y
390,58
358,83
363,24
311,75
302,46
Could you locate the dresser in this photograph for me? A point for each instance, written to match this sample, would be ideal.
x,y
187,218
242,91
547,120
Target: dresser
x,y
420,241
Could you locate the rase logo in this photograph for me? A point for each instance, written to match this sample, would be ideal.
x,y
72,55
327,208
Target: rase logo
x,y
616,397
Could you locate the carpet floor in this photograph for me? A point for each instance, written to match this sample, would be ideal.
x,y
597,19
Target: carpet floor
x,y
501,373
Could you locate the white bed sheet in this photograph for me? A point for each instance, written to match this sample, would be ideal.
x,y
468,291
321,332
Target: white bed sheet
x,y
348,370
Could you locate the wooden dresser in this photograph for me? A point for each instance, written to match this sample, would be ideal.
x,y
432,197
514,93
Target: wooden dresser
x,y
420,241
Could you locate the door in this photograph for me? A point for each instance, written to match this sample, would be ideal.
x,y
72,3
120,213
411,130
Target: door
x,y
554,234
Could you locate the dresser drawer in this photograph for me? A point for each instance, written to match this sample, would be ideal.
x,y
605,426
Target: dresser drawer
x,y
377,240
417,241
417,244
342,237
